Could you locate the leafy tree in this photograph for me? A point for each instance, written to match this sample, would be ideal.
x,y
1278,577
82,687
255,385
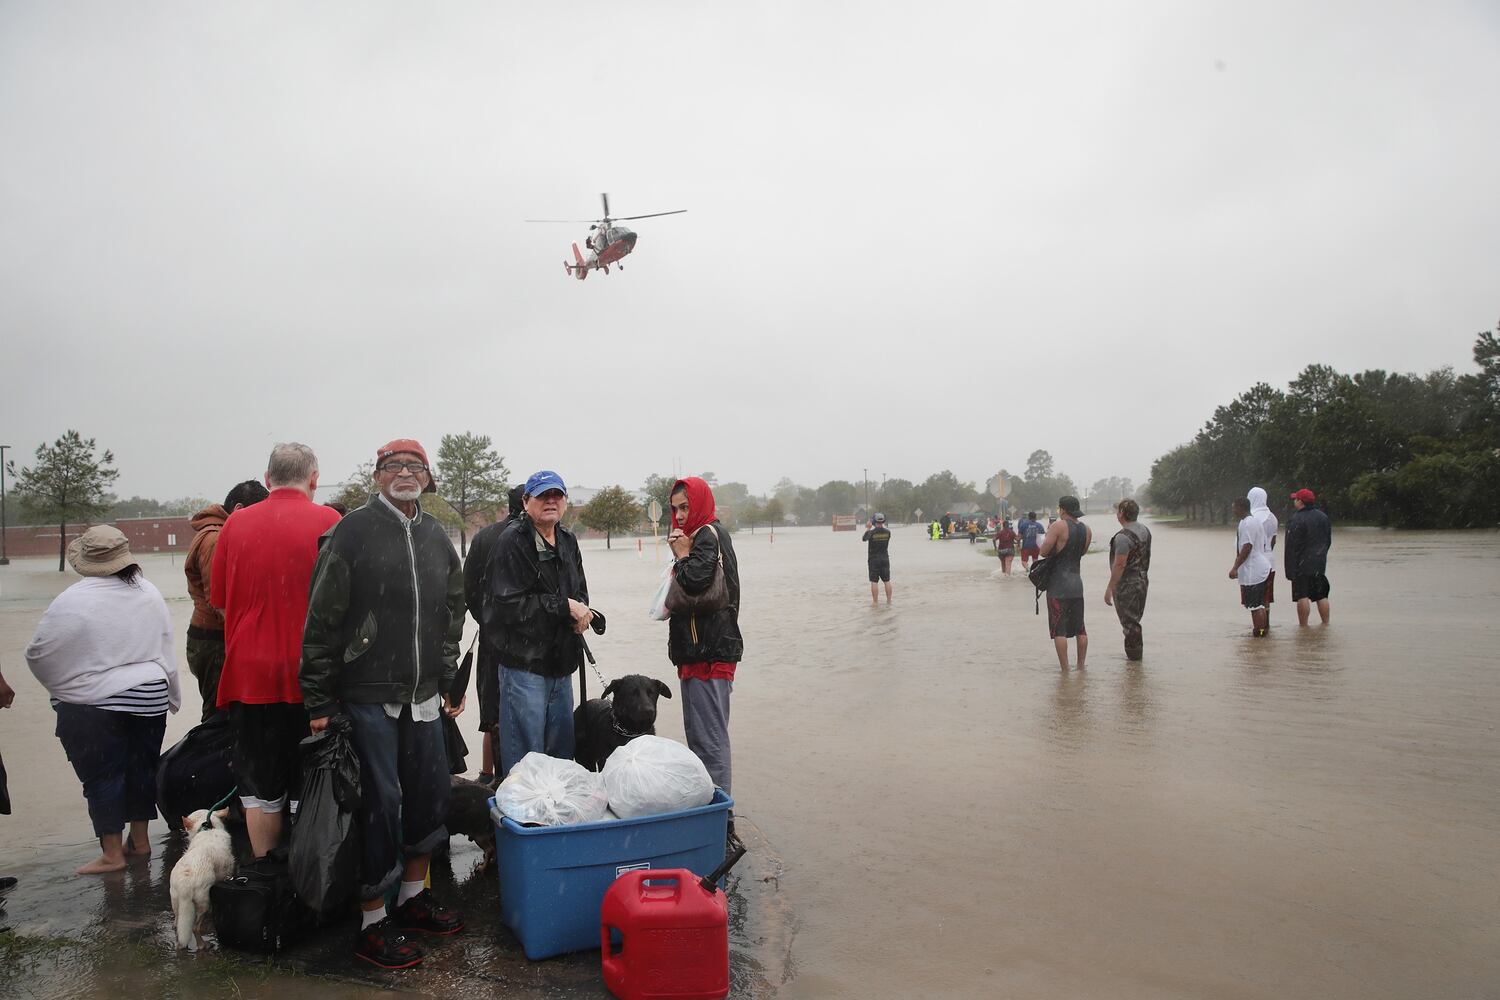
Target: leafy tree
x,y
897,499
356,490
611,510
773,513
786,491
751,513
67,483
837,496
1039,465
659,488
471,477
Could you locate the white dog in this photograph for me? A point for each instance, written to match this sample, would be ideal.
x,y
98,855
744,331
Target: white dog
x,y
208,858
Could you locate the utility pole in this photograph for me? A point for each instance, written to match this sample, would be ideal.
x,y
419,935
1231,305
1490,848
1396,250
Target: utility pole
x,y
4,559
867,492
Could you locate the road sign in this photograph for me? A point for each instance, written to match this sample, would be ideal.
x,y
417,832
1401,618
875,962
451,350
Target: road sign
x,y
653,511
918,512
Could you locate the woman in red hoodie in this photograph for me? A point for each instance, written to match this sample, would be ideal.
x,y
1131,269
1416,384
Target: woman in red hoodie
x,y
705,645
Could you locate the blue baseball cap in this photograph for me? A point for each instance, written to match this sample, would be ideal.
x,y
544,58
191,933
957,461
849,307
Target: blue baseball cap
x,y
541,482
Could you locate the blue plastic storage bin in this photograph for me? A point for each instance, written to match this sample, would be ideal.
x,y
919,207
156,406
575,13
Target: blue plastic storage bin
x,y
553,878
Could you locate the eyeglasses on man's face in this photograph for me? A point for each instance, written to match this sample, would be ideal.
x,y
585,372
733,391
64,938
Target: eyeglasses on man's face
x,y
396,468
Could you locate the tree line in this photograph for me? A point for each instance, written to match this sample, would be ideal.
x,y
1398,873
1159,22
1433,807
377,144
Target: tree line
x,y
1415,451
69,480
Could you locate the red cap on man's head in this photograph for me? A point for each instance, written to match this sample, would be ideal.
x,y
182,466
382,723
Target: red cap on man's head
x,y
1305,495
407,446
397,447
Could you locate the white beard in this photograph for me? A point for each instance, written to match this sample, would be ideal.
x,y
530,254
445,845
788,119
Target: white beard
x,y
406,493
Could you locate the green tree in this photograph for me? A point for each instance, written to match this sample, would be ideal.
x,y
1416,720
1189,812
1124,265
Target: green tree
x,y
1039,464
66,483
471,478
611,510
773,513
659,488
897,499
751,512
356,490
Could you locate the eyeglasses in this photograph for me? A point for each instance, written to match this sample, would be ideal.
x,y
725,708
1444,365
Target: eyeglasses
x,y
396,468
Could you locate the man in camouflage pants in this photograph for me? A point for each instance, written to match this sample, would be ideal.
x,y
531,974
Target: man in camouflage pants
x,y
1130,554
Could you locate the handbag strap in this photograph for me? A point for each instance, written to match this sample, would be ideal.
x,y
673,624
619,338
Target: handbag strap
x,y
718,542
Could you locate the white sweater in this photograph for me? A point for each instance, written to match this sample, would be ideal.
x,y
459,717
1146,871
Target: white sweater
x,y
102,636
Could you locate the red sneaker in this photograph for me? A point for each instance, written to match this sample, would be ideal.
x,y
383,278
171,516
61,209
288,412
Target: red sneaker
x,y
422,913
384,945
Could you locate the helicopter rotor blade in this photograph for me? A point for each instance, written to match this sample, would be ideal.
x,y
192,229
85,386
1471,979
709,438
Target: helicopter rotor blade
x,y
628,218
570,222
605,198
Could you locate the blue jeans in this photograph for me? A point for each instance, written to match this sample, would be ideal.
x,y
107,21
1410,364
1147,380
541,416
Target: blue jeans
x,y
403,792
114,754
536,713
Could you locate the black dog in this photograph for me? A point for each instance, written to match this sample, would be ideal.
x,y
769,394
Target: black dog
x,y
469,816
602,726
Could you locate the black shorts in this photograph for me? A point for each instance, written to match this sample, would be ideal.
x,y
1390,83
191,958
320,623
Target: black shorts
x,y
1310,587
880,569
487,685
1254,595
1065,617
266,759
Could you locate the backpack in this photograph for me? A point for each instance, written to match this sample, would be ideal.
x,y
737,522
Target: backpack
x,y
256,909
1040,575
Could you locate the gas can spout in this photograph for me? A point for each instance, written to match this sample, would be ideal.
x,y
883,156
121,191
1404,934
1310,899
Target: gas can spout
x,y
710,882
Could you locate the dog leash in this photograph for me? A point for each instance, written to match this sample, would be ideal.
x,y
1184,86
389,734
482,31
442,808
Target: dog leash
x,y
593,663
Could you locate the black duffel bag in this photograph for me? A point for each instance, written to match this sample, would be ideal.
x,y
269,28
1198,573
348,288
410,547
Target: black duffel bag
x,y
195,773
256,909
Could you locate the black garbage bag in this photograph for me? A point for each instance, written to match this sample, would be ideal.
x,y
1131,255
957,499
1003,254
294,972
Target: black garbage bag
x,y
325,838
195,773
457,749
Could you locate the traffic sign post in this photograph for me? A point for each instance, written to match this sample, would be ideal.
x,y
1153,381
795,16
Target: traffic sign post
x,y
653,511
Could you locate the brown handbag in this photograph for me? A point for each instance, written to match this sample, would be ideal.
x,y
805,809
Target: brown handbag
x,y
714,598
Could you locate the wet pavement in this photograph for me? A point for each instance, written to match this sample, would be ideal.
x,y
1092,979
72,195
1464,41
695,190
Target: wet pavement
x,y
96,936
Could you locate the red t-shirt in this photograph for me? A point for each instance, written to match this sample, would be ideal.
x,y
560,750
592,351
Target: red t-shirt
x,y
261,572
715,671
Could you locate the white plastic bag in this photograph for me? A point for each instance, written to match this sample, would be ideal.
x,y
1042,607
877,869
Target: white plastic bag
x,y
551,791
659,612
651,775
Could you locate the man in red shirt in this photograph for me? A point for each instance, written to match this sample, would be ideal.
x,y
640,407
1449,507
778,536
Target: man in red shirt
x,y
262,568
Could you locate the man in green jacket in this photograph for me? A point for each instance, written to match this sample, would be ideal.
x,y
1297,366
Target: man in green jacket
x,y
384,619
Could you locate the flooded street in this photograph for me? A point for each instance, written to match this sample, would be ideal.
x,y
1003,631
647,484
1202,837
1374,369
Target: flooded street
x,y
1313,814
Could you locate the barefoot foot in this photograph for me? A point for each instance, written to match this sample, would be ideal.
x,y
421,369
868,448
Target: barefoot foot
x,y
101,865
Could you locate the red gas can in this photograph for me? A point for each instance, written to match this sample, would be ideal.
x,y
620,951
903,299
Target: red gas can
x,y
674,937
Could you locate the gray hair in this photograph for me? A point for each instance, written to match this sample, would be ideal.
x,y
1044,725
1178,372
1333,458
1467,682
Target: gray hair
x,y
291,464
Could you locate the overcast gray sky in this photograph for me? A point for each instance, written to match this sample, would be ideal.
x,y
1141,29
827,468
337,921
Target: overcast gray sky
x,y
918,237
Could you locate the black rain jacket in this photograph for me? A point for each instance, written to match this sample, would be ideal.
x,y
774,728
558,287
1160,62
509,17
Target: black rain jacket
x,y
712,637
526,617
385,612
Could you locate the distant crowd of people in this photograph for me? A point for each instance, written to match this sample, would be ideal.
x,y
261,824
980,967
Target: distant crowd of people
x,y
1065,539
301,614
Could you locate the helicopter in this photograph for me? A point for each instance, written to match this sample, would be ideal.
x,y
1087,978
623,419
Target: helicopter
x,y
607,243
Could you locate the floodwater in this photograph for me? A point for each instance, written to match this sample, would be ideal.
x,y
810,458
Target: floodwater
x,y
1312,814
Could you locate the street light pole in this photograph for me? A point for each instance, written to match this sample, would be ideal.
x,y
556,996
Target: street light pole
x,y
4,559
867,493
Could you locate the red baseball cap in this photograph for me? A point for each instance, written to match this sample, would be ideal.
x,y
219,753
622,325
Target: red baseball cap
x,y
408,446
1305,495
